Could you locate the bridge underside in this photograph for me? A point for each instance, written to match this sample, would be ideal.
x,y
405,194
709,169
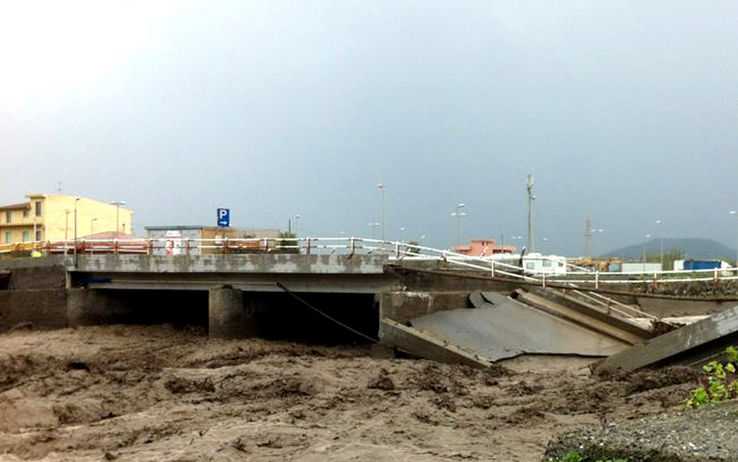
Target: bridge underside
x,y
252,282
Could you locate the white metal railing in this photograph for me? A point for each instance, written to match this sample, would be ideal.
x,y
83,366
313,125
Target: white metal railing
x,y
394,250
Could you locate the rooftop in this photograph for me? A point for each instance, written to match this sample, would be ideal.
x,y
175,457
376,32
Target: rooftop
x,y
22,205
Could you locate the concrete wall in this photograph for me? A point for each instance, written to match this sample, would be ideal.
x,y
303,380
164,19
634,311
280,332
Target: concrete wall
x,y
44,308
43,277
404,306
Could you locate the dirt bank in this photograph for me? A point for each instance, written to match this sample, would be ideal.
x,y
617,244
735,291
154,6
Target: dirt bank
x,y
706,434
161,394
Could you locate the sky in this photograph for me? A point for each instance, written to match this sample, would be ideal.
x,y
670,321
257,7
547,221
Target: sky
x,y
625,111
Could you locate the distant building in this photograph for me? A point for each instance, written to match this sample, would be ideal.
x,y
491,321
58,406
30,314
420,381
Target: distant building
x,y
483,248
176,239
50,217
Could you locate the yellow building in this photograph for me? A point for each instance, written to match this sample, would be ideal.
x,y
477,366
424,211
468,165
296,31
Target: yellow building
x,y
51,217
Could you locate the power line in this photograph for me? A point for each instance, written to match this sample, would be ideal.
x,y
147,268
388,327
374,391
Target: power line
x,y
330,318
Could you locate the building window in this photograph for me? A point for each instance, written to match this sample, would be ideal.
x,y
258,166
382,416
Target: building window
x,y
26,236
7,237
38,235
546,263
25,213
38,208
8,216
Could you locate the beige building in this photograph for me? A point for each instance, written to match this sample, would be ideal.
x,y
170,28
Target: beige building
x,y
51,217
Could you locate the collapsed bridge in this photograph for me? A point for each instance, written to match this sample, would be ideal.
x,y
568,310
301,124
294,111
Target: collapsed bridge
x,y
421,301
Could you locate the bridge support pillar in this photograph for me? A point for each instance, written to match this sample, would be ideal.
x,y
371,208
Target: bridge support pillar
x,y
228,316
87,307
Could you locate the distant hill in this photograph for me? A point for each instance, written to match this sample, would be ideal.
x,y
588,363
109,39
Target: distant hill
x,y
692,248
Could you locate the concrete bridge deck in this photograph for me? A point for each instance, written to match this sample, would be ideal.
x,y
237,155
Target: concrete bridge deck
x,y
256,273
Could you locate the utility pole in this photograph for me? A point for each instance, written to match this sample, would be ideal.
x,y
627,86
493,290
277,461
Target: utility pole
x,y
531,198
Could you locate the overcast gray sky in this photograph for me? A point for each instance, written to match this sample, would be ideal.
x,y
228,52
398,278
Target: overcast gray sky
x,y
625,110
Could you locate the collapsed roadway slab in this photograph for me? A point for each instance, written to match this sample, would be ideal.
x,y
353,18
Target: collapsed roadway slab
x,y
692,344
495,328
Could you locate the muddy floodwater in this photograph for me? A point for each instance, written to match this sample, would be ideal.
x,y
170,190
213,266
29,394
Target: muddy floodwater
x,y
157,393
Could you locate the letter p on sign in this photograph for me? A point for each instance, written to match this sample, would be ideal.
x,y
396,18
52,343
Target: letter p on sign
x,y
224,217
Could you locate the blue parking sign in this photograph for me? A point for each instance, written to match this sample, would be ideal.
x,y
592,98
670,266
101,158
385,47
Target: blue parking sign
x,y
224,217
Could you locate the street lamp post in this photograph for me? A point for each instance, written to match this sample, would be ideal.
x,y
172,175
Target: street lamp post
x,y
402,233
661,243
380,187
117,205
66,224
373,226
643,252
296,219
92,226
592,232
517,238
459,214
735,213
76,200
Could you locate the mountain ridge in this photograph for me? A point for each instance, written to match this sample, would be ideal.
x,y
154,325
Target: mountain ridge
x,y
692,247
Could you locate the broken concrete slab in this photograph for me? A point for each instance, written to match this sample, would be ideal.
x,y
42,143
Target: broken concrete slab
x,y
592,319
686,343
507,329
418,343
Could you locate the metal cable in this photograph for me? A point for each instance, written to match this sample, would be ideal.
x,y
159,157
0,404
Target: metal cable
x,y
330,318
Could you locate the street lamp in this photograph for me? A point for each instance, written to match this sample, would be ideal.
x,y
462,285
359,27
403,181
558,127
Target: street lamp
x,y
66,224
459,214
517,238
92,226
735,213
402,233
380,187
661,240
374,225
118,205
296,219
643,251
76,200
592,232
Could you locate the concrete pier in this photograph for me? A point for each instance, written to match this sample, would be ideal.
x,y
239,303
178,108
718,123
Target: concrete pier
x,y
228,316
87,307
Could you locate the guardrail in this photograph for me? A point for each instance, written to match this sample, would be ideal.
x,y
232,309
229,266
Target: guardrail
x,y
394,250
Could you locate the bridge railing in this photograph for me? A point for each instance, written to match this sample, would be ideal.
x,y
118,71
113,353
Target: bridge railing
x,y
394,250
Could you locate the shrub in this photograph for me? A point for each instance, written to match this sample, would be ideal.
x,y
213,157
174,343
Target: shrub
x,y
719,382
